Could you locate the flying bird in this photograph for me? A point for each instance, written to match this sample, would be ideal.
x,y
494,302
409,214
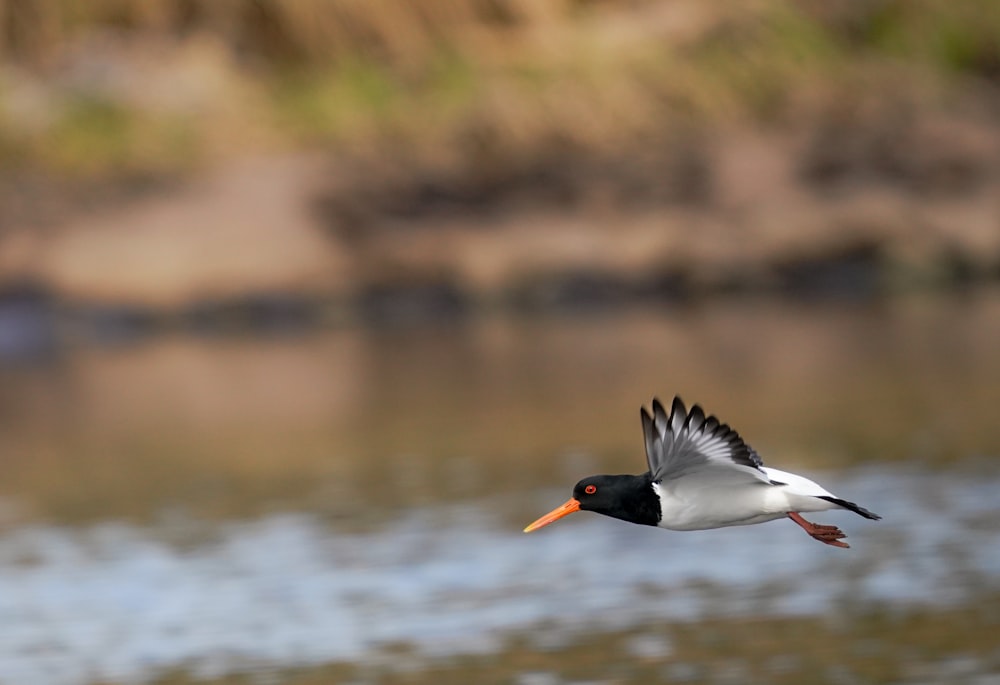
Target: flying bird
x,y
703,475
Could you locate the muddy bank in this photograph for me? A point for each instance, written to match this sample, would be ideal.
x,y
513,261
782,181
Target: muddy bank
x,y
862,201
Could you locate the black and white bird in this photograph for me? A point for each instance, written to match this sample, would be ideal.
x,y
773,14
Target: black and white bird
x,y
703,475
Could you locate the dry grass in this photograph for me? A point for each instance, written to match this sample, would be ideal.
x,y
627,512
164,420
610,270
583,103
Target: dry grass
x,y
442,83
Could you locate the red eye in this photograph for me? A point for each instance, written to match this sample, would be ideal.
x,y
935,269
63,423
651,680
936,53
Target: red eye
x,y
590,489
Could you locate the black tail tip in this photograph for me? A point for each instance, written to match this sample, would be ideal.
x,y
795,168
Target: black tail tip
x,y
860,511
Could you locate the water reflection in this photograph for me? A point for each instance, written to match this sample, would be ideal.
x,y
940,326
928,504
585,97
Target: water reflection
x,y
416,416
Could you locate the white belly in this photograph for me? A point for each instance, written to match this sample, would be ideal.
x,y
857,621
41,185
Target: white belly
x,y
684,505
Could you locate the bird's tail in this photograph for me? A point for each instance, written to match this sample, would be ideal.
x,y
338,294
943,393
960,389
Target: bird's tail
x,y
852,506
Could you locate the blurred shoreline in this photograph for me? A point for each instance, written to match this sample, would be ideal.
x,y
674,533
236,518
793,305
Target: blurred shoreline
x,y
261,166
264,246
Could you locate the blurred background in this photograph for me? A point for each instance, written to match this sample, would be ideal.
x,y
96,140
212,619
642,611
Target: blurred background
x,y
307,308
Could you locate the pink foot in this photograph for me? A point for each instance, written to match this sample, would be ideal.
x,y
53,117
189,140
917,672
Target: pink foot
x,y
829,535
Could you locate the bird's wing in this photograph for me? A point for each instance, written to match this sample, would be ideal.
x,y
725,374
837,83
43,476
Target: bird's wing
x,y
690,443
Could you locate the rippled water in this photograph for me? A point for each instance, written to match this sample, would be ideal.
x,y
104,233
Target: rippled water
x,y
110,602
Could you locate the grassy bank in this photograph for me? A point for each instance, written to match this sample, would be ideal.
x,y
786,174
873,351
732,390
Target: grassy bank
x,y
471,153
118,88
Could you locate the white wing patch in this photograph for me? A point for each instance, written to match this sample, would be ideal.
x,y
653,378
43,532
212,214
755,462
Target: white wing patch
x,y
797,484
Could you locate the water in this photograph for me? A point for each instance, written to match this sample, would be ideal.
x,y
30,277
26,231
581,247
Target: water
x,y
110,602
226,505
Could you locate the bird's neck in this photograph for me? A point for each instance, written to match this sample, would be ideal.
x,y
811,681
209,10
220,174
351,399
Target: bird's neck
x,y
638,502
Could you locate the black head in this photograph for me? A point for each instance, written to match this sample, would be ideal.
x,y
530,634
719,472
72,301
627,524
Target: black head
x,y
602,494
629,498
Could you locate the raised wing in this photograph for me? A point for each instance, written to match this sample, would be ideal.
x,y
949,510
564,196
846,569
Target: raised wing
x,y
686,443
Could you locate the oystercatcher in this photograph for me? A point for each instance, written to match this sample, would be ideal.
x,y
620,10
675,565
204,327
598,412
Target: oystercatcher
x,y
702,475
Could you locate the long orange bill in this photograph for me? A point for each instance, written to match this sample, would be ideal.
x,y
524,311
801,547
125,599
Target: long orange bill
x,y
554,515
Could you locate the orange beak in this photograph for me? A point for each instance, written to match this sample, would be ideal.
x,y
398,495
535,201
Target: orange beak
x,y
554,515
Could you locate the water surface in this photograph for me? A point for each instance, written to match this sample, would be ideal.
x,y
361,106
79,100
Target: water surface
x,y
224,505
112,602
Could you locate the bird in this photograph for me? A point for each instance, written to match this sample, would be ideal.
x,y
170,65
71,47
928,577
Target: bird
x,y
703,475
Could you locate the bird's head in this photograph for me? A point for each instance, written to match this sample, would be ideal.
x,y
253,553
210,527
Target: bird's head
x,y
608,495
598,493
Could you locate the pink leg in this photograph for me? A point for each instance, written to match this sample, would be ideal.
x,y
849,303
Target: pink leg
x,y
829,535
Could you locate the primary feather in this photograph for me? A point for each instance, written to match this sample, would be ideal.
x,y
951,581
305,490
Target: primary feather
x,y
684,443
